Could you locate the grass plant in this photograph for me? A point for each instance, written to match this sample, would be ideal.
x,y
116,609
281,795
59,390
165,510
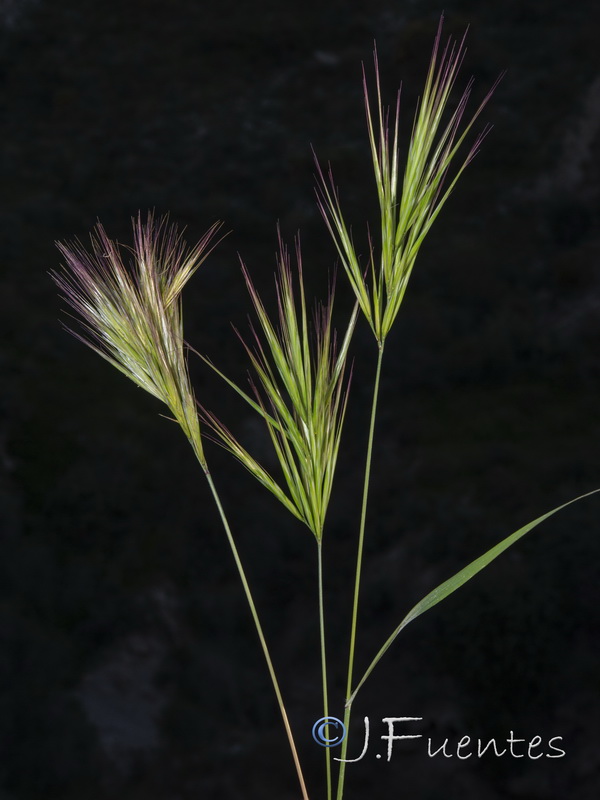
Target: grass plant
x,y
128,301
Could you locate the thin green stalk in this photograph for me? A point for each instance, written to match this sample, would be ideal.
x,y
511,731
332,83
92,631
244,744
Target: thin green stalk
x,y
324,662
259,630
361,539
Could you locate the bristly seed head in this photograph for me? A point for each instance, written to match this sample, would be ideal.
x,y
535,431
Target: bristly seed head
x,y
408,206
300,393
129,303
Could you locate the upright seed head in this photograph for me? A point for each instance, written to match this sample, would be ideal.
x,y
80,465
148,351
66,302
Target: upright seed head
x,y
410,205
300,392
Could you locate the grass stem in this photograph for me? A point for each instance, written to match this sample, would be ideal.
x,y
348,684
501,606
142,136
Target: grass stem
x,y
324,662
259,630
357,576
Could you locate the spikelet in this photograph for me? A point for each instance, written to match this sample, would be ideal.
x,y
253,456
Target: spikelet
x,y
408,207
299,390
128,301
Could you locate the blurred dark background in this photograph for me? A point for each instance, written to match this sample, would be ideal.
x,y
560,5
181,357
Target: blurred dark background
x,y
129,667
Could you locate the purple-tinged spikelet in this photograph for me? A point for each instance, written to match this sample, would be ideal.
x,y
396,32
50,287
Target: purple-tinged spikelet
x,y
128,301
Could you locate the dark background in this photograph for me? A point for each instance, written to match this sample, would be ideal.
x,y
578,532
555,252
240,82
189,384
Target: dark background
x,y
129,667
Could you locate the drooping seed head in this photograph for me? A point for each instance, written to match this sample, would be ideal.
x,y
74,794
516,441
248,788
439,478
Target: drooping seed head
x,y
128,302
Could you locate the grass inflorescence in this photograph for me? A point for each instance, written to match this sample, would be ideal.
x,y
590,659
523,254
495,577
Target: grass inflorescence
x,y
299,390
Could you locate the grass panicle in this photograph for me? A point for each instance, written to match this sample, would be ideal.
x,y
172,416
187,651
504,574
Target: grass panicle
x,y
128,300
300,391
409,206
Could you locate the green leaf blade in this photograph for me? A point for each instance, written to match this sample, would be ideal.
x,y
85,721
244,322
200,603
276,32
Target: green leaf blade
x,y
449,586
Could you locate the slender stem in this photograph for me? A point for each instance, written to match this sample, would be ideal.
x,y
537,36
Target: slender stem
x,y
259,630
324,662
361,539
